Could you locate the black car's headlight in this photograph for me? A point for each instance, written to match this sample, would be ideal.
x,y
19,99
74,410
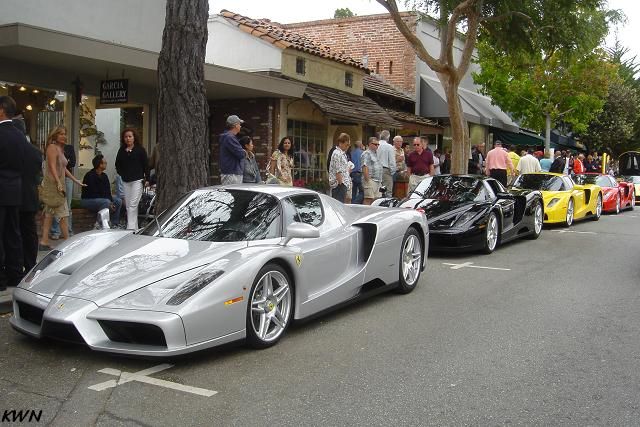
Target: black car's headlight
x,y
49,259
192,286
465,218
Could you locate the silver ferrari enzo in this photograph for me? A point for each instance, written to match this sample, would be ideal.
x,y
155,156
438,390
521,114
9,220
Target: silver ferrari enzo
x,y
223,264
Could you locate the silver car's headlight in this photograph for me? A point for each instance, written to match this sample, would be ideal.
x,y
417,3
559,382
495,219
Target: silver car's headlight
x,y
188,289
49,259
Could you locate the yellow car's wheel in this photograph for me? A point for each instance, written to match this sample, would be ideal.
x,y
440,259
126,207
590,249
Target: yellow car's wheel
x,y
569,218
598,214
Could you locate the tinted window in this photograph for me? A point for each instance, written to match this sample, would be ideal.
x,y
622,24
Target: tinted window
x,y
601,180
304,208
496,186
220,216
454,188
540,182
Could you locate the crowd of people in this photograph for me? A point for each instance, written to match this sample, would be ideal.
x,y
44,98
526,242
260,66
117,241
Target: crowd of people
x,y
29,180
506,164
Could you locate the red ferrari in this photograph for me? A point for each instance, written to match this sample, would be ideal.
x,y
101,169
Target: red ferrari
x,y
617,195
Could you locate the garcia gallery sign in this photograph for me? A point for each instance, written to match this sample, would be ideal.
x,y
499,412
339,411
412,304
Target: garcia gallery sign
x,y
114,91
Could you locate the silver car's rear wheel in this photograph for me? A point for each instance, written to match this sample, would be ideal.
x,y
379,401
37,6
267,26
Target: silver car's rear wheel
x,y
269,309
410,261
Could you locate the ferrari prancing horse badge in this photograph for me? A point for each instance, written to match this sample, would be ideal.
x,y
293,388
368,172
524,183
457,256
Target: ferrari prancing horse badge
x,y
298,259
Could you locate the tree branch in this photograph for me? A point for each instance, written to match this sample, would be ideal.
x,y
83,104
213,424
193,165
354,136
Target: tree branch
x,y
457,13
507,15
470,41
412,38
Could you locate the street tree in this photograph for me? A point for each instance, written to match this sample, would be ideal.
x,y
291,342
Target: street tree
x,y
510,25
613,129
343,13
542,90
183,112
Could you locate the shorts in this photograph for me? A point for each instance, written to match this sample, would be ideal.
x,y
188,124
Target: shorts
x,y
371,189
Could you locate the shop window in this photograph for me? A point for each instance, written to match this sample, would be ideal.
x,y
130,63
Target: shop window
x,y
300,66
41,109
310,150
348,79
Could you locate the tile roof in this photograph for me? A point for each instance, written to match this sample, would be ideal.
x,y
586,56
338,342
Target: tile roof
x,y
375,83
411,118
346,106
278,36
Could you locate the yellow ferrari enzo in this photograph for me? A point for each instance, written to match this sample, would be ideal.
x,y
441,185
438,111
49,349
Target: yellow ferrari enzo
x,y
564,200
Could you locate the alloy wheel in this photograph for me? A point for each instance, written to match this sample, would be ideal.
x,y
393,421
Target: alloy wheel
x,y
411,259
492,232
270,306
569,217
538,219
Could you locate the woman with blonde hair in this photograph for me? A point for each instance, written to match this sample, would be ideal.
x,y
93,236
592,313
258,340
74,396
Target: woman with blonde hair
x,y
54,200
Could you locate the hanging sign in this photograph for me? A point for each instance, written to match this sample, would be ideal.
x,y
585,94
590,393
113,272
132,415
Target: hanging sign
x,y
114,91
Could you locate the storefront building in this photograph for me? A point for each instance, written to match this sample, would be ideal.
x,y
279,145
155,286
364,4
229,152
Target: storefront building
x,y
98,75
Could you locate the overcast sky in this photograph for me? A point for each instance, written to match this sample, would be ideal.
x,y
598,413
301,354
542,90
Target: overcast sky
x,y
287,11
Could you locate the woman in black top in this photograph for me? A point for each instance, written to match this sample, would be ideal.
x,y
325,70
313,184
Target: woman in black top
x,y
131,165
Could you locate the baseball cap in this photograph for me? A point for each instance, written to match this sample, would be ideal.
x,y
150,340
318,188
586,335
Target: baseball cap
x,y
233,120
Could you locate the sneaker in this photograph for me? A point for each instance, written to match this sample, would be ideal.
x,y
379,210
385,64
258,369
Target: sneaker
x,y
54,236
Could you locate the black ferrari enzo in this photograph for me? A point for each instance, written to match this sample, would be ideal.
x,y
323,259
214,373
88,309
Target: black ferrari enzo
x,y
473,212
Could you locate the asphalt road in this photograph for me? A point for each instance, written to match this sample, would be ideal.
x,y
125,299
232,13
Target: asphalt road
x,y
553,340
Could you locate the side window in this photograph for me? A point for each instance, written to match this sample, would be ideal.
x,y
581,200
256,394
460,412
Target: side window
x,y
306,208
567,184
495,186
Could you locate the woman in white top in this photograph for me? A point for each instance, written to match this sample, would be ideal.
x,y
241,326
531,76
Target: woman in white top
x,y
436,162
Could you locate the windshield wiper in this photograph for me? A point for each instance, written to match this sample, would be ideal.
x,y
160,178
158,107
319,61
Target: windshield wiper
x,y
160,233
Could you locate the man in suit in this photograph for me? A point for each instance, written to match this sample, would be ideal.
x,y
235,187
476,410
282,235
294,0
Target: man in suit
x,y
31,178
12,143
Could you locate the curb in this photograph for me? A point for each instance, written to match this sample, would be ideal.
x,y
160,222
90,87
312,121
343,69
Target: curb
x,y
6,302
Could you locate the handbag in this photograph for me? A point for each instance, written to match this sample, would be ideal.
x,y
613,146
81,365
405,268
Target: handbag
x,y
49,194
271,178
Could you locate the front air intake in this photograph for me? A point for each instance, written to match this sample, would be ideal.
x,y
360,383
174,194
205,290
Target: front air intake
x,y
133,333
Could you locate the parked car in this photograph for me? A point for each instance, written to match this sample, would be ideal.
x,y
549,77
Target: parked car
x,y
473,212
564,200
616,195
222,264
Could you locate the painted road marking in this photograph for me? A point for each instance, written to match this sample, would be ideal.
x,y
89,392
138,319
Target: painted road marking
x,y
143,377
566,230
470,265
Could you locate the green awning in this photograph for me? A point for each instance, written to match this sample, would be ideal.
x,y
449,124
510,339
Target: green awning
x,y
521,138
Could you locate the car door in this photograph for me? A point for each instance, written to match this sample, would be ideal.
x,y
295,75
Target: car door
x,y
327,263
578,196
507,205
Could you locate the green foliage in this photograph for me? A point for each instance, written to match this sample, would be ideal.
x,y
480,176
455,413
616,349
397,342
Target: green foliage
x,y
343,13
615,128
568,87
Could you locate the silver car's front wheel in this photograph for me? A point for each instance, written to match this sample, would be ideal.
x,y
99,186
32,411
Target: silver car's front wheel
x,y
270,307
410,261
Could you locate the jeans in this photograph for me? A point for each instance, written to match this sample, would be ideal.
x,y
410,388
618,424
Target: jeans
x,y
357,190
339,193
55,225
132,195
96,205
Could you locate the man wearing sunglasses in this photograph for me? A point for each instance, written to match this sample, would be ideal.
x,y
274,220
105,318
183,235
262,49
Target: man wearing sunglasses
x,y
419,163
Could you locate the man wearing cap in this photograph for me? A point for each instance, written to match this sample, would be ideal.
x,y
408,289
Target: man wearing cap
x,y
231,153
497,163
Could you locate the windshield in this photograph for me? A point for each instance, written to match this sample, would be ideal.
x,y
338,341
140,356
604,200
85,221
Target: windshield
x,y
422,187
600,180
540,182
453,188
219,216
635,179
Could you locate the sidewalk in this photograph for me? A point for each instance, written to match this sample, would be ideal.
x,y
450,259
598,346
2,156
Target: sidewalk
x,y
6,305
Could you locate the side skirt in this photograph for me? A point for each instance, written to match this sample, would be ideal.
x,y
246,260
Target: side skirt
x,y
368,290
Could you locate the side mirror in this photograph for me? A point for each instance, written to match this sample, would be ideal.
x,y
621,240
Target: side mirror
x,y
300,230
103,219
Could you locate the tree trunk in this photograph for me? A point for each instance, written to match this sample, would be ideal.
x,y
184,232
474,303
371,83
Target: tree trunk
x,y
547,134
460,148
183,112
